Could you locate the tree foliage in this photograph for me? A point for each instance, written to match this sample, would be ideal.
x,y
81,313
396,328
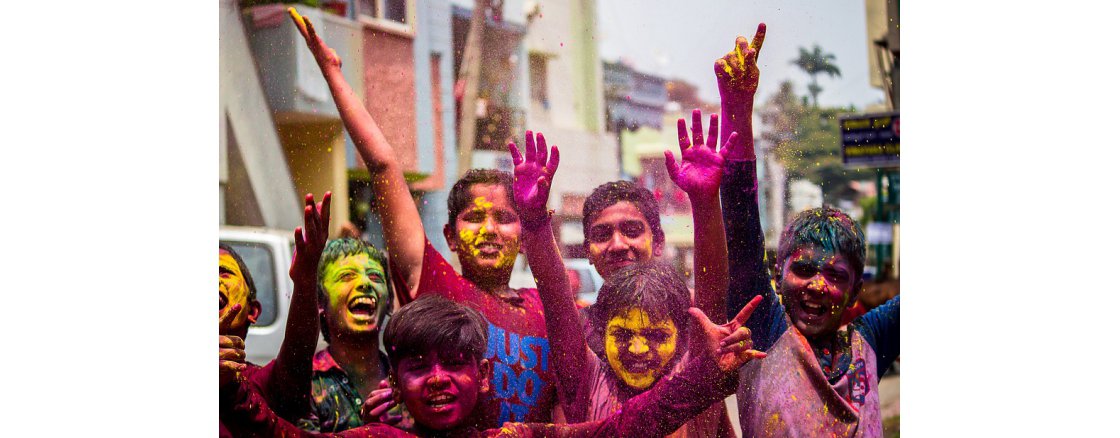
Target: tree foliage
x,y
814,63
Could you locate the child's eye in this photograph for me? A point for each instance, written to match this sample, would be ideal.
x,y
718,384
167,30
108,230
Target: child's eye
x,y
600,234
633,230
474,217
803,270
505,217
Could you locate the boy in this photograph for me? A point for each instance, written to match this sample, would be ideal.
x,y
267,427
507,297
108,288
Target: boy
x,y
436,350
354,301
285,381
820,377
483,231
638,321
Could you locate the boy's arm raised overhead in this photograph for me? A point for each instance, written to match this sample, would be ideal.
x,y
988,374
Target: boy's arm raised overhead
x,y
290,385
737,76
404,233
532,181
880,327
699,175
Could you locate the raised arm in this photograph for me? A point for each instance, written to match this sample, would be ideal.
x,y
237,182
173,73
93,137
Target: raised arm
x,y
737,76
289,387
699,175
404,233
568,351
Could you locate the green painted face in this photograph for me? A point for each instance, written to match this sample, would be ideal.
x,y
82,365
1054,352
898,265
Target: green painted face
x,y
358,295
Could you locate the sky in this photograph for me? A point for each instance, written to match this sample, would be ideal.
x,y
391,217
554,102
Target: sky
x,y
674,39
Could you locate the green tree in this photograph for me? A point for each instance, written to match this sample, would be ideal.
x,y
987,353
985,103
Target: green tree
x,y
806,141
815,63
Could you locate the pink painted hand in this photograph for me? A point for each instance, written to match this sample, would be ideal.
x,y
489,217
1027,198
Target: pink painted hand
x,y
377,406
701,168
324,55
737,71
713,338
311,238
532,178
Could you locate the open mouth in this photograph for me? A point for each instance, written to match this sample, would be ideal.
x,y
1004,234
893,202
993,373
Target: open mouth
x,y
489,249
638,366
441,401
363,307
814,310
222,300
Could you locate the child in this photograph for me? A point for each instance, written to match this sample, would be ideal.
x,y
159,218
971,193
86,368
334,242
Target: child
x,y
285,381
436,349
637,327
354,300
819,379
482,230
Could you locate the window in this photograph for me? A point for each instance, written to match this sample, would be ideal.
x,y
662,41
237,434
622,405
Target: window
x,y
394,11
538,78
258,259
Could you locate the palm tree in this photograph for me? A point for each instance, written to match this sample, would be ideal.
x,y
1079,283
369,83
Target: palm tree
x,y
814,63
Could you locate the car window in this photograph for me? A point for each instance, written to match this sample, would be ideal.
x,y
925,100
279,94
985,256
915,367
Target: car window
x,y
260,262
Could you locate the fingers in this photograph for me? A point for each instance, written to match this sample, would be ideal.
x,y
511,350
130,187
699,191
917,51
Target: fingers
x,y
697,128
759,37
231,342
739,340
231,354
722,66
682,135
744,314
310,28
530,146
713,131
231,367
741,47
325,211
298,20
515,154
730,145
543,185
227,318
299,238
554,161
379,402
699,316
671,166
542,150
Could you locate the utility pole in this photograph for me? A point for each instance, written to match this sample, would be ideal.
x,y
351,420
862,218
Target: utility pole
x,y
470,73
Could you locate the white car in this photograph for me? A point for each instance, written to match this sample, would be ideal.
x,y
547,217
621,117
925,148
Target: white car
x,y
267,254
582,276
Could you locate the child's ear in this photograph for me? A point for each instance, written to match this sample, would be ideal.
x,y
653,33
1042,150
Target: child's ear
x,y
484,373
449,235
254,311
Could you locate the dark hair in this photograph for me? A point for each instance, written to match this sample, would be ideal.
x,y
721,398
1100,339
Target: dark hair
x,y
652,286
244,269
829,228
434,322
460,197
339,248
611,193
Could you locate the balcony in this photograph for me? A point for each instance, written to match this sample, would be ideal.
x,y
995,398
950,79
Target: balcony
x,y
294,86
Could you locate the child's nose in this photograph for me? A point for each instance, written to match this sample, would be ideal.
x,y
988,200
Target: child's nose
x,y
639,346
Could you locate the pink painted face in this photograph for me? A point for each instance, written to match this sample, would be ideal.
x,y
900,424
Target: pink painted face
x,y
618,237
441,390
817,285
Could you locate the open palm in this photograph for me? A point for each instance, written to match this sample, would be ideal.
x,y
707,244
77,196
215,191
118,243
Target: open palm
x,y
532,176
701,168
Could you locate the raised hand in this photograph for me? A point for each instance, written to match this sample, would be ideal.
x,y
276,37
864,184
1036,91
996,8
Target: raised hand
x,y
376,408
532,178
729,344
231,351
737,71
311,238
701,169
324,55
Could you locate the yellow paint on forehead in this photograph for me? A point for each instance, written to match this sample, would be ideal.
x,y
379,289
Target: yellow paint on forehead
x,y
482,203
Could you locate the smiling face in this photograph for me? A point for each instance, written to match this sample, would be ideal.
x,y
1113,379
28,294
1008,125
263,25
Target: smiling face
x,y
234,289
441,389
487,234
817,285
639,350
619,236
357,295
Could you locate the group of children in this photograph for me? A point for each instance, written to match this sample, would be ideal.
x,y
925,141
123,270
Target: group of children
x,y
467,355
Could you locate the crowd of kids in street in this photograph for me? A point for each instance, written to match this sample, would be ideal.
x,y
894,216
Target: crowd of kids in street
x,y
416,348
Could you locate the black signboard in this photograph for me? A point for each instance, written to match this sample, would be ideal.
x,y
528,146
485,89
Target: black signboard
x,y
870,140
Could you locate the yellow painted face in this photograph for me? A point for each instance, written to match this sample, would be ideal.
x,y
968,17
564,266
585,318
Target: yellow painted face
x,y
639,350
489,231
357,293
232,289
